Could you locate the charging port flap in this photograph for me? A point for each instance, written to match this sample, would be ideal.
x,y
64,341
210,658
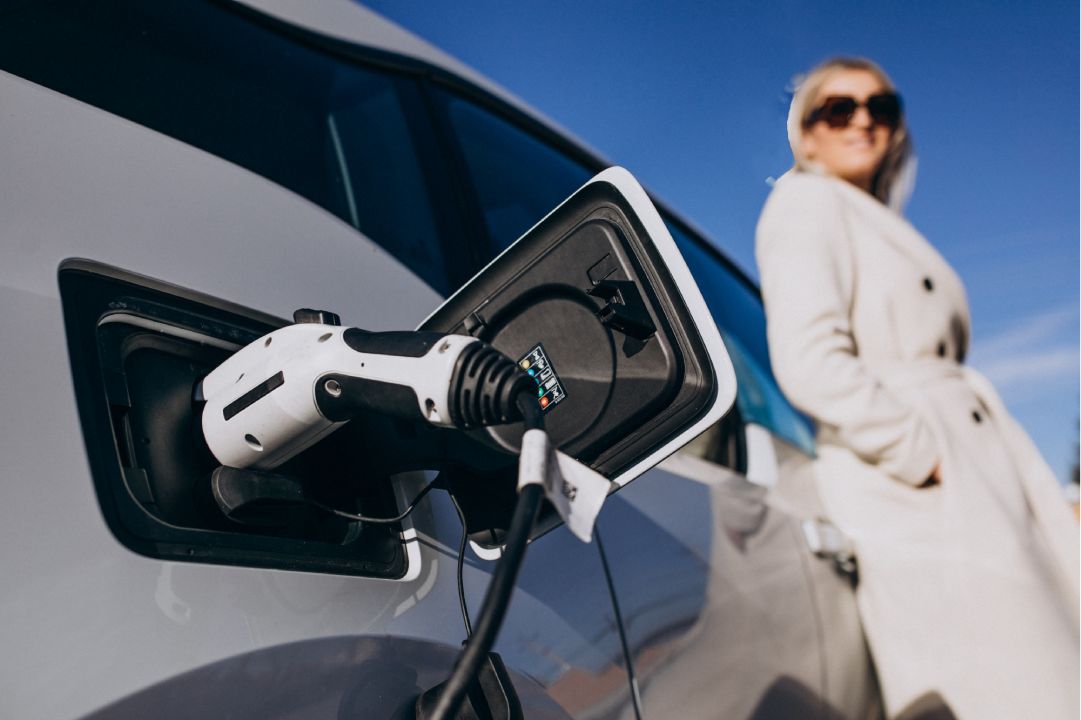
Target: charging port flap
x,y
598,305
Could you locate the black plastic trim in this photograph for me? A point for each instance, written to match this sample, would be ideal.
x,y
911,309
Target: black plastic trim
x,y
485,386
256,393
361,394
398,343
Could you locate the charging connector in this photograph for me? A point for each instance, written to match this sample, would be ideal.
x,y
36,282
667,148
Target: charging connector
x,y
287,390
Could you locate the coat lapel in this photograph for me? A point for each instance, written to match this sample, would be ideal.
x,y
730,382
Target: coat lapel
x,y
899,232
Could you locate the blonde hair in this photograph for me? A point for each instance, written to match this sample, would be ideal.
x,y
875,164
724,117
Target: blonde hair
x,y
893,182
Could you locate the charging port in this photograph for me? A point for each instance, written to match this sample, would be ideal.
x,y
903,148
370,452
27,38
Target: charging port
x,y
139,349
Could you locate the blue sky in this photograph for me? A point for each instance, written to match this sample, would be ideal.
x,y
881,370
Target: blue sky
x,y
692,98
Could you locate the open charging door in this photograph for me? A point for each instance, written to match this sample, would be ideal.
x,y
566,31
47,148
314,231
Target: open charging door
x,y
597,303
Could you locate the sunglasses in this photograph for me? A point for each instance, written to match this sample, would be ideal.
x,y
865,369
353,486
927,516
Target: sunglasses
x,y
837,111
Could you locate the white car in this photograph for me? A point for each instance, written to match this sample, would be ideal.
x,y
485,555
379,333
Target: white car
x,y
177,177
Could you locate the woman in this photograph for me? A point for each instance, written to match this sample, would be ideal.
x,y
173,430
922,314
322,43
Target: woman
x,y
968,555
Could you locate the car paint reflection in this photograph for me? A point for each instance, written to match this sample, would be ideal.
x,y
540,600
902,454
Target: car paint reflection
x,y
327,679
729,593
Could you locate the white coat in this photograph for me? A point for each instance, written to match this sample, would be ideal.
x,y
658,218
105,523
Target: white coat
x,y
968,589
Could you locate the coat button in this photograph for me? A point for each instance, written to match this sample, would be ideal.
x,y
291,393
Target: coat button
x,y
976,417
928,285
941,350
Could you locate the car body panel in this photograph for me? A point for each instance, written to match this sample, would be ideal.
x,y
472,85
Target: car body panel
x,y
82,605
728,593
344,677
713,583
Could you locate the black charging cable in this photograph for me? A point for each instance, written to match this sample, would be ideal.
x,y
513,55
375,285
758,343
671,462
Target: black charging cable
x,y
497,598
461,562
379,520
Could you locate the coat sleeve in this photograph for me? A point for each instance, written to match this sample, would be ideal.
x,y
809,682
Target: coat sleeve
x,y
806,266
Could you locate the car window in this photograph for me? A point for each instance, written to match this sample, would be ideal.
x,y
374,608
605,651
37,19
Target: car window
x,y
516,178
330,130
382,180
740,317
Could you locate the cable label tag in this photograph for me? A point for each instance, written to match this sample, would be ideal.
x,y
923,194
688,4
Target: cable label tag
x,y
575,489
